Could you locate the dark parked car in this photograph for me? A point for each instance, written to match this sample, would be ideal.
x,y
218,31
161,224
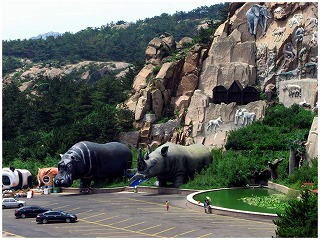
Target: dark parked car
x,y
56,216
29,211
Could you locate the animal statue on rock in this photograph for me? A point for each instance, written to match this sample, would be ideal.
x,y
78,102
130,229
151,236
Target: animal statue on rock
x,y
214,124
293,90
238,115
247,117
173,163
257,14
89,161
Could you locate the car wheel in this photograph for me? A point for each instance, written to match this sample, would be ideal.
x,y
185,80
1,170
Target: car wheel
x,y
3,206
44,221
20,205
23,216
68,220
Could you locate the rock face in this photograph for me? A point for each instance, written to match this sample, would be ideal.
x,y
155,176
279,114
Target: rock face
x,y
312,142
227,62
237,63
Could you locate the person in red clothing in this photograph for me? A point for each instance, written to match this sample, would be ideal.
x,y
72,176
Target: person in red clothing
x,y
167,205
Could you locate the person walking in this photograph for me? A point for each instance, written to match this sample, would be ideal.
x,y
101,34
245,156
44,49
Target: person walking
x,y
167,205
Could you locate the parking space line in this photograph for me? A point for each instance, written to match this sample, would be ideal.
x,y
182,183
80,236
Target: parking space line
x,y
107,218
149,228
73,209
87,230
61,207
138,200
183,233
134,225
85,212
168,229
125,220
94,215
8,234
205,235
49,205
125,230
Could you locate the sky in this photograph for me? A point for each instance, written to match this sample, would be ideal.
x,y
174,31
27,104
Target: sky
x,y
23,19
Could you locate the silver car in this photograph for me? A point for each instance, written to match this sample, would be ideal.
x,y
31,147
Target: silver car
x,y
12,202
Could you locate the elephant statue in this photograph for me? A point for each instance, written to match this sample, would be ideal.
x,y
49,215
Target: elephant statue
x,y
257,14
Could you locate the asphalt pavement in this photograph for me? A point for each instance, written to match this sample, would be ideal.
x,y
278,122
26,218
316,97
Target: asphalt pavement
x,y
130,215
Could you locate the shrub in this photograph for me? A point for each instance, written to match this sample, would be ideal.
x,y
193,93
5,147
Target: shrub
x,y
300,218
300,175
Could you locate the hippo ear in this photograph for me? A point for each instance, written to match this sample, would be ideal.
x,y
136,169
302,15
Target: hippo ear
x,y
164,150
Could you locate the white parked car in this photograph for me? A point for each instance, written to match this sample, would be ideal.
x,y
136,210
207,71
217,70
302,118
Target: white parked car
x,y
12,202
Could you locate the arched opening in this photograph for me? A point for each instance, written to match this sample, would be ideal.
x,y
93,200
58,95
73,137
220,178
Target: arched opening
x,y
220,95
235,92
249,94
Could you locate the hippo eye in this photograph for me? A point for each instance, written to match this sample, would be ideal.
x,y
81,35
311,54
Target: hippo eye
x,y
68,167
154,161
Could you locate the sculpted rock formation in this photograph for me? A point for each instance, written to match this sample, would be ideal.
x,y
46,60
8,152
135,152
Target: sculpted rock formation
x,y
238,62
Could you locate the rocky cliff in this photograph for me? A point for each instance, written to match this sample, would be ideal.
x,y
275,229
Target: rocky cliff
x,y
192,86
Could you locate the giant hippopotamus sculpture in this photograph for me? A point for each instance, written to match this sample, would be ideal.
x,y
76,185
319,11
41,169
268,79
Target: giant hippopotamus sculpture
x,y
172,163
89,161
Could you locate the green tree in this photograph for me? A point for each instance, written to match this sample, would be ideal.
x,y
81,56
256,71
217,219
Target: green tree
x,y
300,218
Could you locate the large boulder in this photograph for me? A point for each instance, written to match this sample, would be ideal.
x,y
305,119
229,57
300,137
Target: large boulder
x,y
159,48
140,81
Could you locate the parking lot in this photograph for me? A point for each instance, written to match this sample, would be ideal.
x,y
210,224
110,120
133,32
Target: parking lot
x,y
131,215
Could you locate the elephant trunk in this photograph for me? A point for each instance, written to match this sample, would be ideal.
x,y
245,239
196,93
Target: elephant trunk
x,y
264,24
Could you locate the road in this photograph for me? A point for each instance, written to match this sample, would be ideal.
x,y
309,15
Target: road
x,y
131,215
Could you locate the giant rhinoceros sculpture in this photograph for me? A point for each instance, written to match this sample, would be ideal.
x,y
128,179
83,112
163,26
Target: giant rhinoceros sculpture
x,y
173,163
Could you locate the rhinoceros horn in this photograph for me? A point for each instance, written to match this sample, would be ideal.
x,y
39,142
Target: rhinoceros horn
x,y
141,163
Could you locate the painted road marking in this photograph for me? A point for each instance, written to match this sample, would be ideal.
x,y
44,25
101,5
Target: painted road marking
x,y
149,228
94,216
125,220
62,207
11,235
183,233
85,212
138,200
125,230
48,205
165,230
134,225
73,209
204,236
107,218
